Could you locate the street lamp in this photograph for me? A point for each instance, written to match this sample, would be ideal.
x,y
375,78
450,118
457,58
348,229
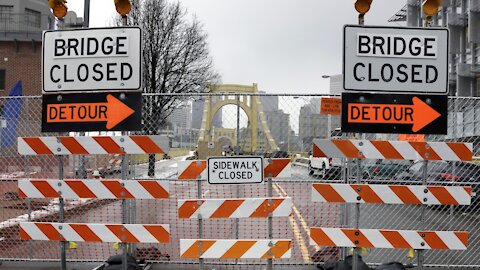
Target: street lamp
x,y
325,76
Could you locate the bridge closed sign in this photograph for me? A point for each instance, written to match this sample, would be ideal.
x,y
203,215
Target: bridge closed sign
x,y
91,59
235,170
395,59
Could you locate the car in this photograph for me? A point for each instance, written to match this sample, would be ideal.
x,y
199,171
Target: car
x,y
279,154
445,173
384,168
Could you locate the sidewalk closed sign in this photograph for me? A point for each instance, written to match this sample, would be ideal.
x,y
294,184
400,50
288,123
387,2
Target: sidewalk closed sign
x,y
235,170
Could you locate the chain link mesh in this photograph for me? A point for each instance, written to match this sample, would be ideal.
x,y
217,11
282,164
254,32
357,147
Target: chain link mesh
x,y
291,123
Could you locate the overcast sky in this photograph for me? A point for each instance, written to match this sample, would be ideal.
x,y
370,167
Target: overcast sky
x,y
283,45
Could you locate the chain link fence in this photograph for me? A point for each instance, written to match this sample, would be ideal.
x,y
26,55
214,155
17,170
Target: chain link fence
x,y
274,126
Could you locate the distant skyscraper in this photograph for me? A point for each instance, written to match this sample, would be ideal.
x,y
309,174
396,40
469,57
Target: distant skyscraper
x,y
269,103
312,124
336,84
181,117
279,125
197,115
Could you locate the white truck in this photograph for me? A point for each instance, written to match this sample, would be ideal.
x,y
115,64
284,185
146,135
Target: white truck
x,y
325,167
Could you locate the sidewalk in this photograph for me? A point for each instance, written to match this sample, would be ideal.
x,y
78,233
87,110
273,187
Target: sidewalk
x,y
89,266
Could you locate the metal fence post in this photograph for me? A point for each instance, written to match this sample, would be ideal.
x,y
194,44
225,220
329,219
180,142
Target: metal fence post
x,y
237,153
63,255
454,166
124,211
201,262
422,217
27,174
270,219
345,206
29,218
357,212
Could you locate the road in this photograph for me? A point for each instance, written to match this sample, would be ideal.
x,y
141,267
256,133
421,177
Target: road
x,y
305,215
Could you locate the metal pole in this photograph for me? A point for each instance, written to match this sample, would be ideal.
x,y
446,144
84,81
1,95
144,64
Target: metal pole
x,y
454,167
357,214
361,21
422,217
237,153
124,177
29,218
124,211
237,150
345,208
27,173
86,14
201,262
270,218
63,254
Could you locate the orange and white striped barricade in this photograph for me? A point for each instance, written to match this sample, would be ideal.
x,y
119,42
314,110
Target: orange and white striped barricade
x,y
90,232
403,150
277,168
235,249
192,170
93,189
94,145
197,169
235,208
391,194
375,238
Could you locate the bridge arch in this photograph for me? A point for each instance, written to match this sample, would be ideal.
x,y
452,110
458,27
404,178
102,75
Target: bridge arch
x,y
250,104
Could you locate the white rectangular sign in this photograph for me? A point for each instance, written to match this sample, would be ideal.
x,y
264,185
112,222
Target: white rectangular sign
x,y
235,170
95,59
395,59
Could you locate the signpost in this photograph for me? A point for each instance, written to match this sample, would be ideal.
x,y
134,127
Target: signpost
x,y
363,112
97,59
235,170
92,112
395,59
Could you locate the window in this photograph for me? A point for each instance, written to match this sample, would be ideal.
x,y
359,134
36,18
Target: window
x,y
33,18
2,79
6,13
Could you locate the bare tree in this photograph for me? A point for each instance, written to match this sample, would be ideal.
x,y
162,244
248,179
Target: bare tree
x,y
175,60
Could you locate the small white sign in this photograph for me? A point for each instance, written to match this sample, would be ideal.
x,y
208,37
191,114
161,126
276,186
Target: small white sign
x,y
95,59
211,145
235,170
395,59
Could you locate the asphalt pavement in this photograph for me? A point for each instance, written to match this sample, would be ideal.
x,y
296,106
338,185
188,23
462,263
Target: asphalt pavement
x,y
305,215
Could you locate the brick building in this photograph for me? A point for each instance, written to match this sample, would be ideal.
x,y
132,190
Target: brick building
x,y
21,26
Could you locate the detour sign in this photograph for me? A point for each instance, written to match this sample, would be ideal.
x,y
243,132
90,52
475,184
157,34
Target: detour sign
x,y
394,113
91,112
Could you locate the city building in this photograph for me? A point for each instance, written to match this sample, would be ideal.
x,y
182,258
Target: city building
x,y
336,84
462,18
313,125
269,103
21,26
279,124
197,115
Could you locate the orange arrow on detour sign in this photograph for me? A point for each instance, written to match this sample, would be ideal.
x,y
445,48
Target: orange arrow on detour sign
x,y
113,112
419,114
